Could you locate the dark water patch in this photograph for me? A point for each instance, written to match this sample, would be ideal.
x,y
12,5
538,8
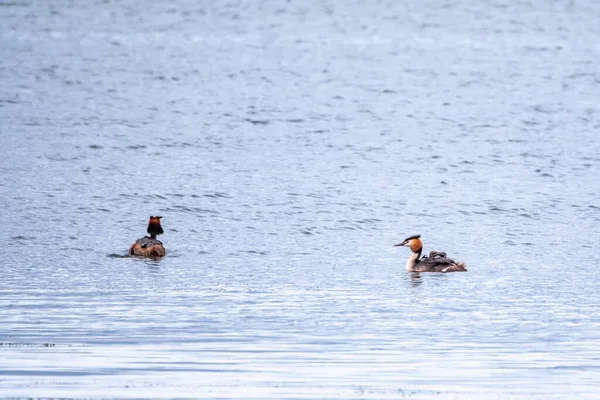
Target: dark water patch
x,y
544,109
579,75
17,344
58,373
513,234
258,121
258,252
62,158
191,210
8,101
115,255
368,221
23,238
217,195
177,145
531,122
73,249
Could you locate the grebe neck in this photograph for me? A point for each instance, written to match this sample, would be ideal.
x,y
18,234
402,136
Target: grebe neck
x,y
153,236
413,260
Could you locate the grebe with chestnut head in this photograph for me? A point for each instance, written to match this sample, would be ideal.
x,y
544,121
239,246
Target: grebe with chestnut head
x,y
436,261
149,246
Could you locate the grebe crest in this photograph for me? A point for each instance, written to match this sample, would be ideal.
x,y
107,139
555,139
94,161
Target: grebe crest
x,y
436,261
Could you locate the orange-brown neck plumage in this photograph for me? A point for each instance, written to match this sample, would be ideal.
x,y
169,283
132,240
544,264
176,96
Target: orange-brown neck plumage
x,y
154,227
416,246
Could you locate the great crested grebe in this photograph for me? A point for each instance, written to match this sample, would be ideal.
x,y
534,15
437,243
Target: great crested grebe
x,y
149,246
436,261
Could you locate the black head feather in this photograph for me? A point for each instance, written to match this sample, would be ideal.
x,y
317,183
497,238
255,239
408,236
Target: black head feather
x,y
412,237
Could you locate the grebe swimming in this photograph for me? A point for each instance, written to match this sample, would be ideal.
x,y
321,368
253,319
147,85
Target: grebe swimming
x,y
436,261
149,246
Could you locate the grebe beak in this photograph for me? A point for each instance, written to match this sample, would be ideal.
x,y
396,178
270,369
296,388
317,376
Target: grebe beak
x,y
402,244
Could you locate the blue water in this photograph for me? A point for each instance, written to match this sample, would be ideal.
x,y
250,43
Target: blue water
x,y
288,146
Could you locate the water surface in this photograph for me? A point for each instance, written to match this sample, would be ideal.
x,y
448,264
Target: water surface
x,y
288,146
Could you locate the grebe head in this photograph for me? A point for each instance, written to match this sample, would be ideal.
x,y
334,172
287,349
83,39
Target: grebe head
x,y
154,227
414,242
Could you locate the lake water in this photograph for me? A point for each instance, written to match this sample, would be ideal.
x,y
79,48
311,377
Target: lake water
x,y
288,146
